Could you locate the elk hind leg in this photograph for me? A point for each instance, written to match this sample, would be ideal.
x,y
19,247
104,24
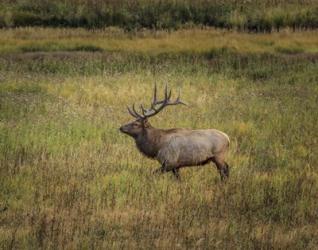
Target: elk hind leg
x,y
222,167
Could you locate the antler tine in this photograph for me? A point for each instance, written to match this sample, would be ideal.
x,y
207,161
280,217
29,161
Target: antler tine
x,y
154,100
178,99
154,109
143,110
131,113
167,96
138,115
166,92
181,102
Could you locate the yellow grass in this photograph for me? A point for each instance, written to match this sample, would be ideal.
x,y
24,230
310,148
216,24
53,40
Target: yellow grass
x,y
194,40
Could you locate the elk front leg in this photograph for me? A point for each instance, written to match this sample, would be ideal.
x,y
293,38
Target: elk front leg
x,y
161,170
175,172
164,168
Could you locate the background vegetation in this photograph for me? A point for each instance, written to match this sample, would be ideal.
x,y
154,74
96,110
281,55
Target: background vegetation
x,y
254,16
69,179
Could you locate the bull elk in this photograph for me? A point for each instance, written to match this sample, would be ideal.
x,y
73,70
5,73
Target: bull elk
x,y
178,147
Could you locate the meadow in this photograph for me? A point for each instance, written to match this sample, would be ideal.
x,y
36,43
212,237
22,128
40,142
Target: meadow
x,y
70,180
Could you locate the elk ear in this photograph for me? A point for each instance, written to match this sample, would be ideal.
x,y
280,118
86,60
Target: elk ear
x,y
146,123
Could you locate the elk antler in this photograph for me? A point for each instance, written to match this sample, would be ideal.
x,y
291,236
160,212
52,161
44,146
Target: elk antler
x,y
156,106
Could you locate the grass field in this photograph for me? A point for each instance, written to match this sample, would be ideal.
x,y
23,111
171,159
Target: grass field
x,y
69,179
251,16
205,41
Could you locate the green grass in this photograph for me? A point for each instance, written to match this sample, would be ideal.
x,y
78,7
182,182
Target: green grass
x,y
70,179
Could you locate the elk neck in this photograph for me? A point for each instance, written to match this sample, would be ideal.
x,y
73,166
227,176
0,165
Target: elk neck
x,y
149,141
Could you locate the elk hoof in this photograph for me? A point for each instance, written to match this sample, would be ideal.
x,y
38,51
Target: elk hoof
x,y
225,172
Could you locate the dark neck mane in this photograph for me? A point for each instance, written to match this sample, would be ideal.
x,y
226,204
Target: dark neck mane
x,y
148,142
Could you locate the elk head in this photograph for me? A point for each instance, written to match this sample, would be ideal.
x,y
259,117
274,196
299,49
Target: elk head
x,y
138,126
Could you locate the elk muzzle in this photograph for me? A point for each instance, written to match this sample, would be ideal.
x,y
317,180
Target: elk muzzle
x,y
127,129
122,129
